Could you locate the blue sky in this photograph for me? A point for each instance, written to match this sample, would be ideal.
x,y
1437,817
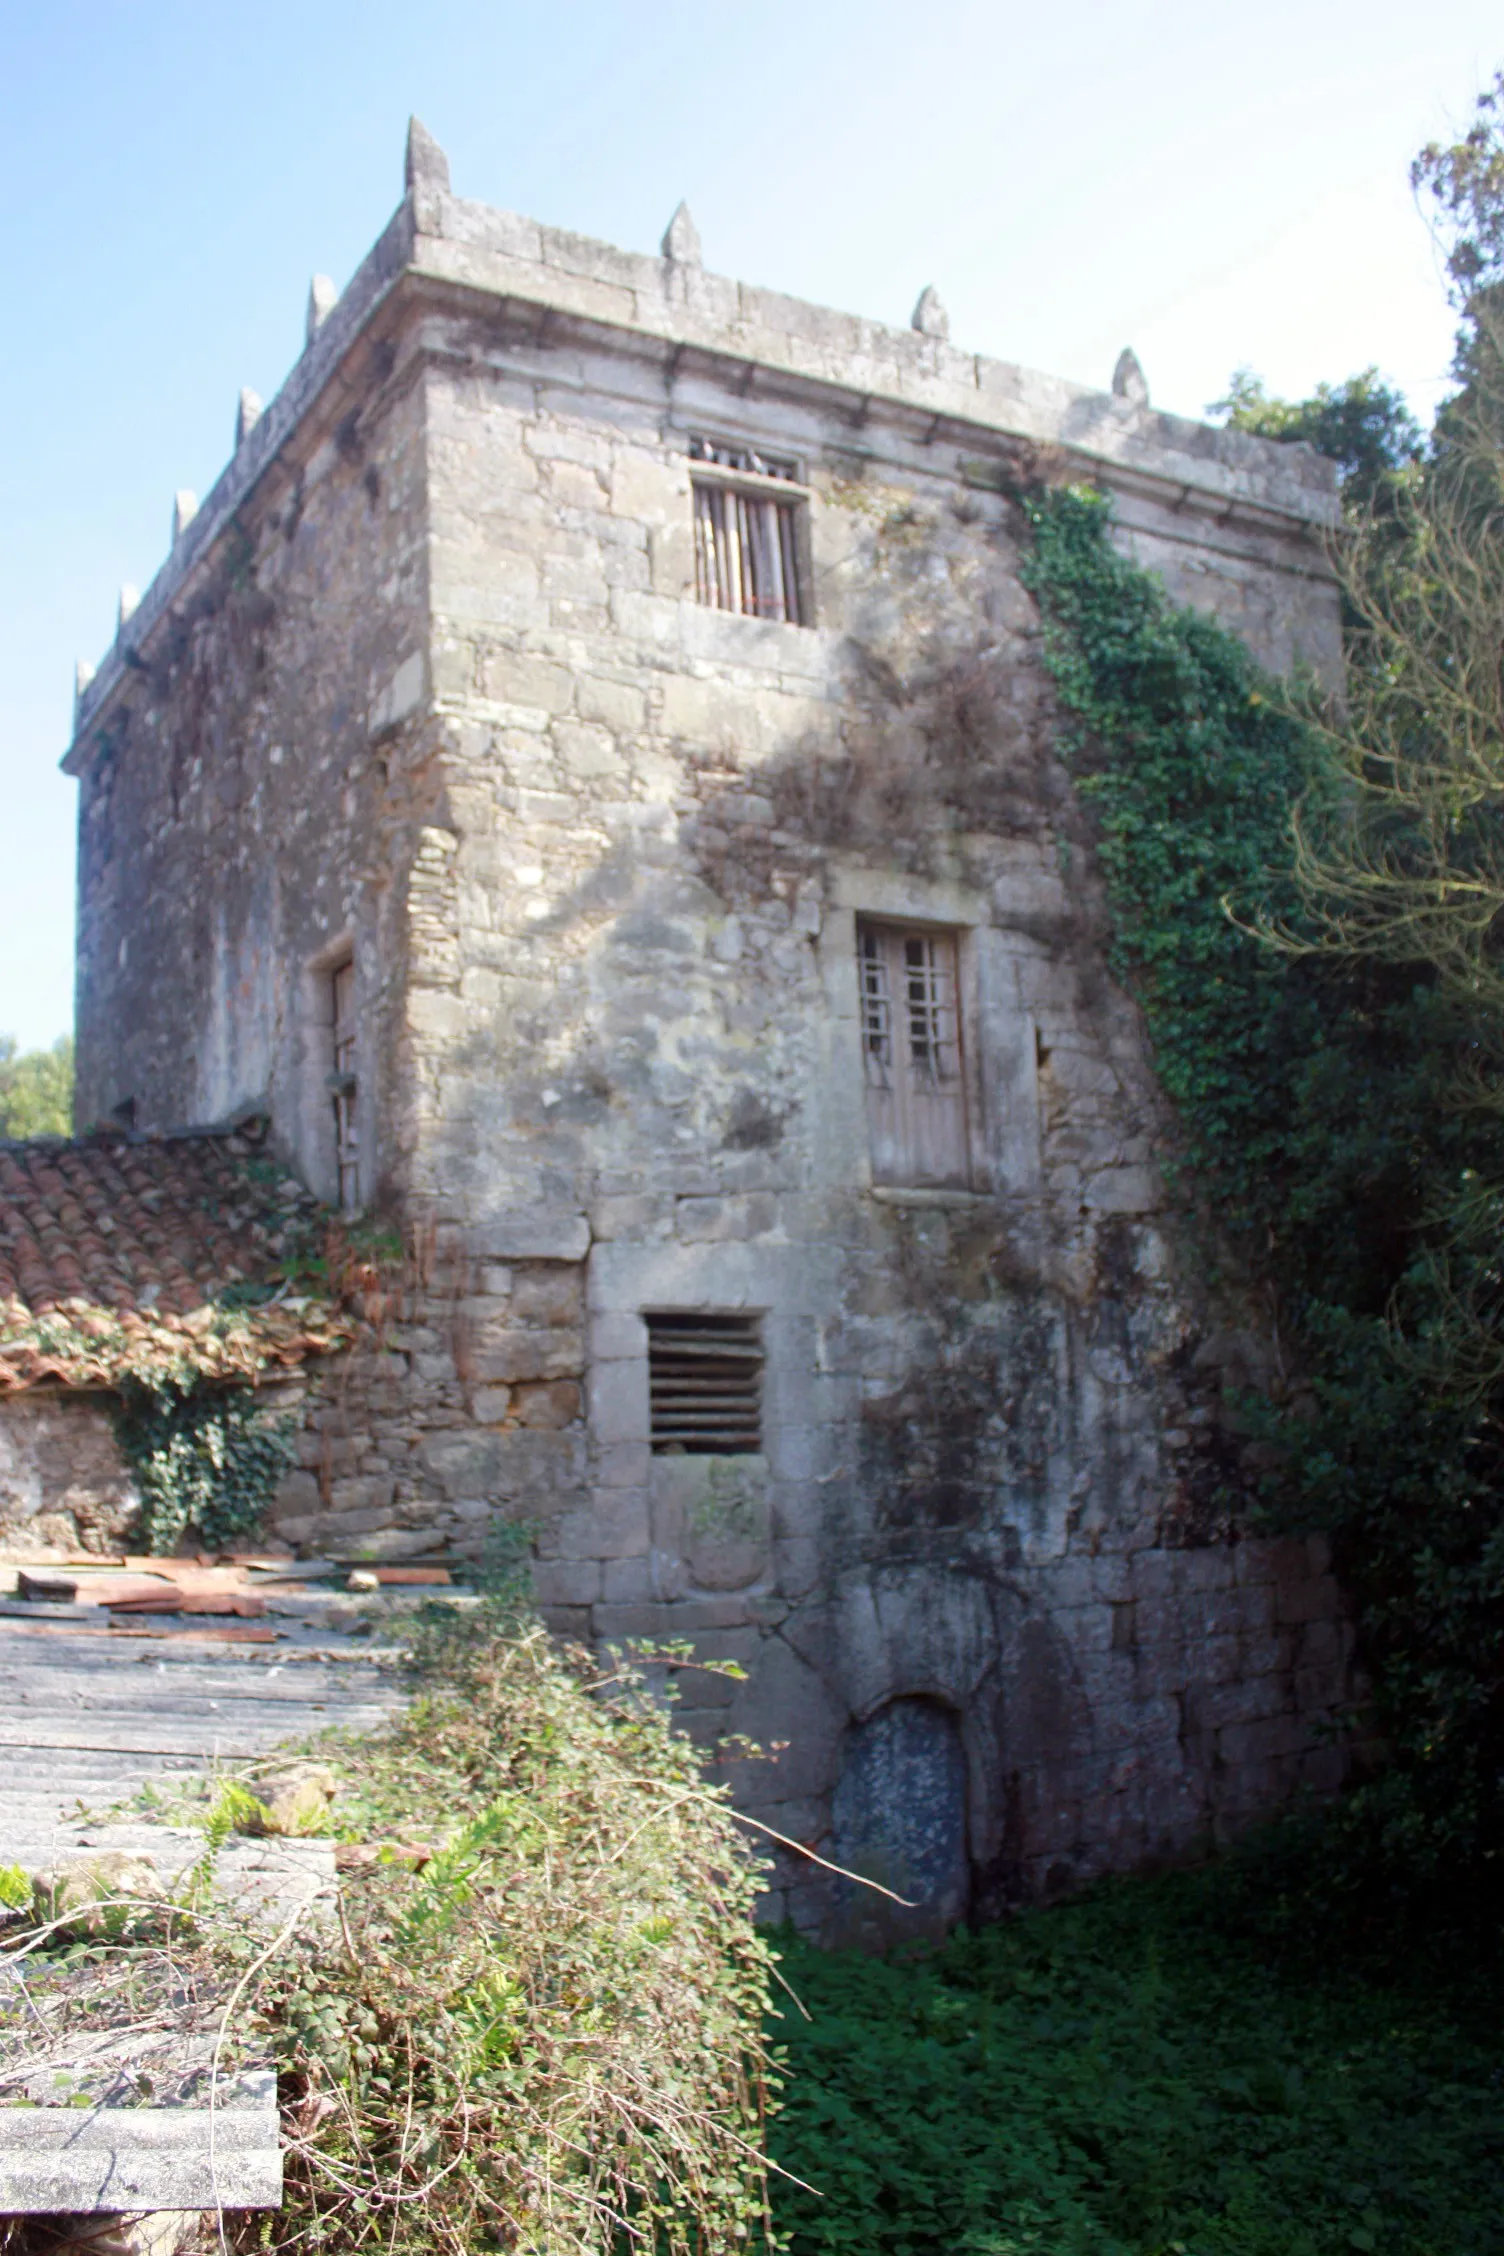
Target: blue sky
x,y
1216,187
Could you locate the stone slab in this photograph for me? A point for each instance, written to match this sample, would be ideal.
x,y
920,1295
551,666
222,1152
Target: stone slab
x,y
80,2160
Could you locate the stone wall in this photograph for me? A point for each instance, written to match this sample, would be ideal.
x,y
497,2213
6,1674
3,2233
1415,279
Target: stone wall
x,y
458,1406
993,1440
63,1484
253,782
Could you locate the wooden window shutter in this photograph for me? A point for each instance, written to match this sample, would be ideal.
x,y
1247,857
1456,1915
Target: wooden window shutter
x,y
912,1055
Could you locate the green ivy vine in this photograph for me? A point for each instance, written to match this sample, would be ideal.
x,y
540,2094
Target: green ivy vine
x,y
202,1456
1320,1131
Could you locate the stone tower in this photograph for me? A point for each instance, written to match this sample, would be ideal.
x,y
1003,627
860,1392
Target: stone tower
x,y
586,774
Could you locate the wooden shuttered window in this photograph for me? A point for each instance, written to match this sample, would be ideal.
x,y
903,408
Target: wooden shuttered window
x,y
704,1384
746,532
344,1088
912,1055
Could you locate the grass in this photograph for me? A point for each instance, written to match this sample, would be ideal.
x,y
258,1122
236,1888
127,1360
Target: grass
x,y
1135,2074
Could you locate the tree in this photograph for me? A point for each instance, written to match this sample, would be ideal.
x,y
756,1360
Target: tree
x,y
36,1088
1406,861
1465,182
1399,859
1362,424
1396,852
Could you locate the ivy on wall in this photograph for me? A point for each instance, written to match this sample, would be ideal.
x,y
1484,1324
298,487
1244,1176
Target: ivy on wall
x,y
202,1457
1322,1148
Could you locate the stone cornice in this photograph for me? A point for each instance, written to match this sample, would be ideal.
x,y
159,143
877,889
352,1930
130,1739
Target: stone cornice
x,y
500,255
440,247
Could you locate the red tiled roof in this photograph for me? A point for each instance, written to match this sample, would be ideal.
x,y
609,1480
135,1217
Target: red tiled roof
x,y
115,1249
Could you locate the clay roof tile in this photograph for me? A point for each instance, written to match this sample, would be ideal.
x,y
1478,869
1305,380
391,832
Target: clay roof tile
x,y
124,1239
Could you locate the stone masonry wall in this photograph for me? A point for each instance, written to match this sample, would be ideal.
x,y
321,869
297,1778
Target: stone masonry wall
x,y
259,784
63,1485
461,1405
992,1430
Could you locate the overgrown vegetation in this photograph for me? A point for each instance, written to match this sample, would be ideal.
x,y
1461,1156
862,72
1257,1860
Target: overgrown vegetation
x,y
533,2022
1316,1097
1339,1072
1134,2074
36,1088
548,2033
201,1456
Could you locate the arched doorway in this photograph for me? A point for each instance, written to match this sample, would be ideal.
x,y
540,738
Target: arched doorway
x,y
899,1817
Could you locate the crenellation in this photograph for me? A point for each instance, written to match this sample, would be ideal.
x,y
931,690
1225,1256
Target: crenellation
x,y
323,297
248,413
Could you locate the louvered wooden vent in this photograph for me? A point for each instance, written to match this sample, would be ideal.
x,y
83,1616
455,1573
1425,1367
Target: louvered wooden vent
x,y
705,1384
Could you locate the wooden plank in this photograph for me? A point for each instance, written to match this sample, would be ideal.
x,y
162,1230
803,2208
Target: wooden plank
x,y
262,1570
237,1603
183,1639
201,1632
32,1610
77,1588
192,1574
156,1736
165,1734
185,1664
276,1715
126,1691
229,1633
87,1723
75,1724
288,1719
63,1652
53,1657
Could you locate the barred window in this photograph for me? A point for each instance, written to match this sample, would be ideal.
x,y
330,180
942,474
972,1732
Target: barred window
x,y
911,1054
704,1384
747,531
